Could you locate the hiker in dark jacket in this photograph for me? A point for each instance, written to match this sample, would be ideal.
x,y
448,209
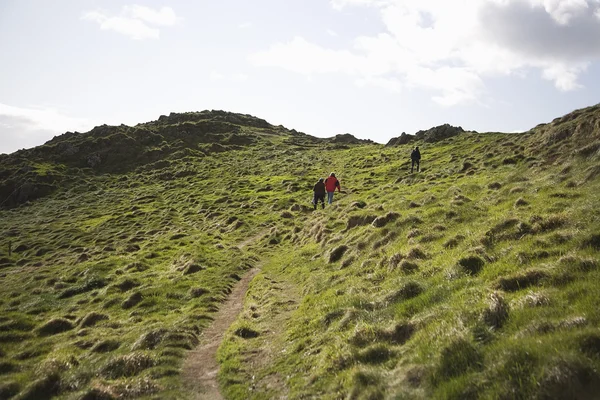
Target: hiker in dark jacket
x,y
415,157
319,191
330,184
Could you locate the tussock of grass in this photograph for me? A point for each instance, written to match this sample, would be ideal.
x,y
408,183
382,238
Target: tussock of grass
x,y
55,326
497,312
126,366
472,265
457,358
8,389
92,319
408,290
337,253
521,281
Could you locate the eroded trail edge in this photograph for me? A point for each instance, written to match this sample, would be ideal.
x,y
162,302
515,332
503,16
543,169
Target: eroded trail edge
x,y
200,368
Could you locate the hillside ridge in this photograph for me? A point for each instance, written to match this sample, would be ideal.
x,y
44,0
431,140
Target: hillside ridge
x,y
476,277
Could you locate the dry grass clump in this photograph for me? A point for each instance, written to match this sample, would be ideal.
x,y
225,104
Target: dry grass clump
x,y
106,346
246,333
497,312
127,284
96,394
359,220
454,242
384,220
128,365
582,264
395,260
534,299
569,379
416,253
398,334
337,253
592,241
198,291
472,265
347,262
149,340
521,281
42,388
385,240
409,267
409,290
413,233
521,202
55,326
133,300
589,344
376,354
134,389
550,223
457,358
137,267
192,268
92,319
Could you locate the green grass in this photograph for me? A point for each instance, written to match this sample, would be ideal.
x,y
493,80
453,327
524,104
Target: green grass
x,y
475,278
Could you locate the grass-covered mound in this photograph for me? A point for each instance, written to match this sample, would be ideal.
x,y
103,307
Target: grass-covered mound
x,y
476,277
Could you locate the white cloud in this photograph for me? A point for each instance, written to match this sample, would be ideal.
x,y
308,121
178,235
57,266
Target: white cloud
x,y
564,78
133,21
163,17
332,33
340,4
237,77
245,25
451,47
216,76
49,119
27,127
563,11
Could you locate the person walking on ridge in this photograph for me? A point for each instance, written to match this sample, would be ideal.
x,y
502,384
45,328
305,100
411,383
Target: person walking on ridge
x,y
415,157
330,184
319,191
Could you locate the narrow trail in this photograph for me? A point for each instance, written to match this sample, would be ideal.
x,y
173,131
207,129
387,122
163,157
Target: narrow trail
x,y
200,368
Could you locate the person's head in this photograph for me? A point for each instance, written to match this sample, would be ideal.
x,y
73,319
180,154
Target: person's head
x,y
417,148
320,179
332,175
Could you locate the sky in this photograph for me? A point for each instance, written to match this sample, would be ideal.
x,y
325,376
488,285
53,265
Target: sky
x,y
372,68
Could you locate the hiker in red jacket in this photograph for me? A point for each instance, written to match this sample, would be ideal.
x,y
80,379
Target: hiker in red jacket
x,y
330,184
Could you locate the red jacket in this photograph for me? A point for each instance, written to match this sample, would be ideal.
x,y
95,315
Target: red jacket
x,y
331,183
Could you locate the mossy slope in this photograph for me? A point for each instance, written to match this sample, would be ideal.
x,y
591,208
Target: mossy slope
x,y
477,277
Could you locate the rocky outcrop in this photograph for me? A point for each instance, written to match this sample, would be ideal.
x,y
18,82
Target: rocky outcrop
x,y
400,140
347,138
438,133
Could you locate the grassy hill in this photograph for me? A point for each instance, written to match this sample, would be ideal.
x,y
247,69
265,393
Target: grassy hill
x,y
477,277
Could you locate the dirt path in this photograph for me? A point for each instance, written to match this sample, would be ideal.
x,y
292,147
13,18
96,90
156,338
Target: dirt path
x,y
200,368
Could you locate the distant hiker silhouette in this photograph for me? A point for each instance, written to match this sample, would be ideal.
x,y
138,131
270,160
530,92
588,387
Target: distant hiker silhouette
x,y
319,191
415,157
330,184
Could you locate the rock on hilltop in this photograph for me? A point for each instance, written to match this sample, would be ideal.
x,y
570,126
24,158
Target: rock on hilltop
x,y
432,135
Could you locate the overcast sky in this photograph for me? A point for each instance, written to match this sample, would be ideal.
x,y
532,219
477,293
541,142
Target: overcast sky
x,y
373,68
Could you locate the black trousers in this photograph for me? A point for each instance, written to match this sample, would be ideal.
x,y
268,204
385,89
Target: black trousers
x,y
413,165
319,197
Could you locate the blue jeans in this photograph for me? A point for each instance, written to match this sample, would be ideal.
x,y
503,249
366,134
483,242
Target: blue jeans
x,y
330,197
